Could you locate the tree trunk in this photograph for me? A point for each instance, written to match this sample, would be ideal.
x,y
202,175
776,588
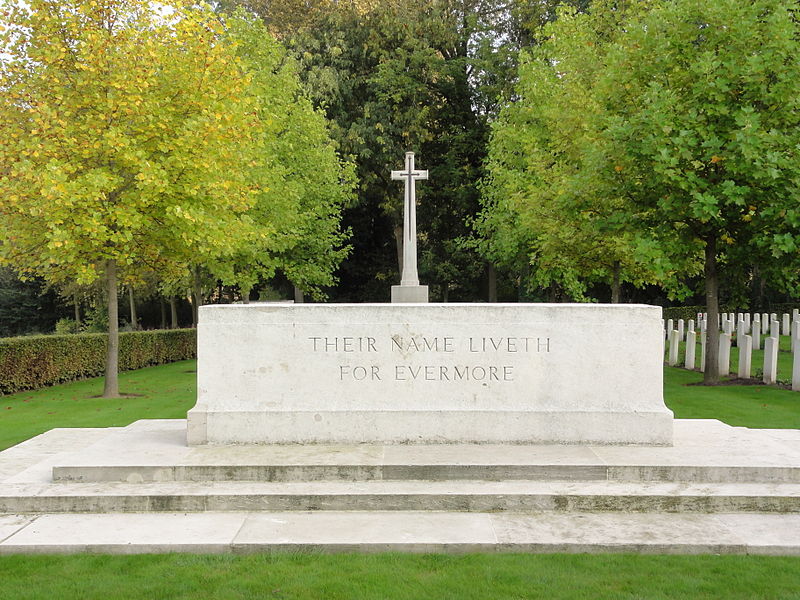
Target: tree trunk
x,y
245,292
398,241
134,318
445,292
173,309
197,293
163,306
298,295
77,305
491,274
615,283
711,373
111,384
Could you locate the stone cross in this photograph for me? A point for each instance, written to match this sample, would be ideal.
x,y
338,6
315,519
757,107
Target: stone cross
x,y
409,175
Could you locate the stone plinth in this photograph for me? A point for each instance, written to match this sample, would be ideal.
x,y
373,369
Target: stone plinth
x,y
404,294
430,373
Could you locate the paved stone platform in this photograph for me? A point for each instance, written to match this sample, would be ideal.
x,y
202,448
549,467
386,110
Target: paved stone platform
x,y
140,488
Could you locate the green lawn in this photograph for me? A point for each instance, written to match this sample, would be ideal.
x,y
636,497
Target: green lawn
x,y
169,391
397,576
165,392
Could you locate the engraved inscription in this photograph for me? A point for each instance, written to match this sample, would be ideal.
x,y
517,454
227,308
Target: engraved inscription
x,y
489,350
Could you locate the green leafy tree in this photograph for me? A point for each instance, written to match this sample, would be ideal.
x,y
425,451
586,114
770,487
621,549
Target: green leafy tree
x,y
304,183
702,102
123,129
547,200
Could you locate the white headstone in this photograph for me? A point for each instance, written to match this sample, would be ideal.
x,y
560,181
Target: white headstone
x,y
690,326
670,326
702,350
724,354
727,326
756,335
745,357
796,314
691,345
674,345
795,336
681,326
770,360
785,324
740,333
774,328
409,289
764,323
796,372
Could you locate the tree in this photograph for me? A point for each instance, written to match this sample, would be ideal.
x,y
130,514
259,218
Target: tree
x,y
121,137
702,102
546,200
305,185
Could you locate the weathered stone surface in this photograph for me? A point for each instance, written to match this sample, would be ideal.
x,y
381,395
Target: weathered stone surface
x,y
429,374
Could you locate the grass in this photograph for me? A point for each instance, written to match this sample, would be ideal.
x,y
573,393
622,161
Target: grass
x,y
164,392
168,391
398,576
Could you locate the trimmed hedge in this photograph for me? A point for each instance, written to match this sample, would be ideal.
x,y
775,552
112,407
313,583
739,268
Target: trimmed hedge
x,y
37,361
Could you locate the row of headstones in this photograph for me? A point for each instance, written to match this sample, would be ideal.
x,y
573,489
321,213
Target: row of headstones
x,y
749,330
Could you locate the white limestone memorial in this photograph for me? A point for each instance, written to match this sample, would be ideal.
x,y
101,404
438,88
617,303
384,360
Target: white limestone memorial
x,y
429,373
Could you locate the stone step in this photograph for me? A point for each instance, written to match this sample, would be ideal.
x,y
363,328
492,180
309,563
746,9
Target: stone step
x,y
468,496
151,451
137,473
401,531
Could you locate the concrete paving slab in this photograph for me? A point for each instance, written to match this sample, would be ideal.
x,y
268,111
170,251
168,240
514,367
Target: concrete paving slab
x,y
128,533
11,524
772,535
372,531
32,453
588,532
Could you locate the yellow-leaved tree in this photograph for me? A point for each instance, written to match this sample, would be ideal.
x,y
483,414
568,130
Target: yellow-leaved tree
x,y
123,130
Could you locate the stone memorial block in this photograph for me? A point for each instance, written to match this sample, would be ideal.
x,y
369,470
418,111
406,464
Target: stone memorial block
x,y
796,314
764,323
690,326
795,335
670,326
428,373
681,327
785,324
